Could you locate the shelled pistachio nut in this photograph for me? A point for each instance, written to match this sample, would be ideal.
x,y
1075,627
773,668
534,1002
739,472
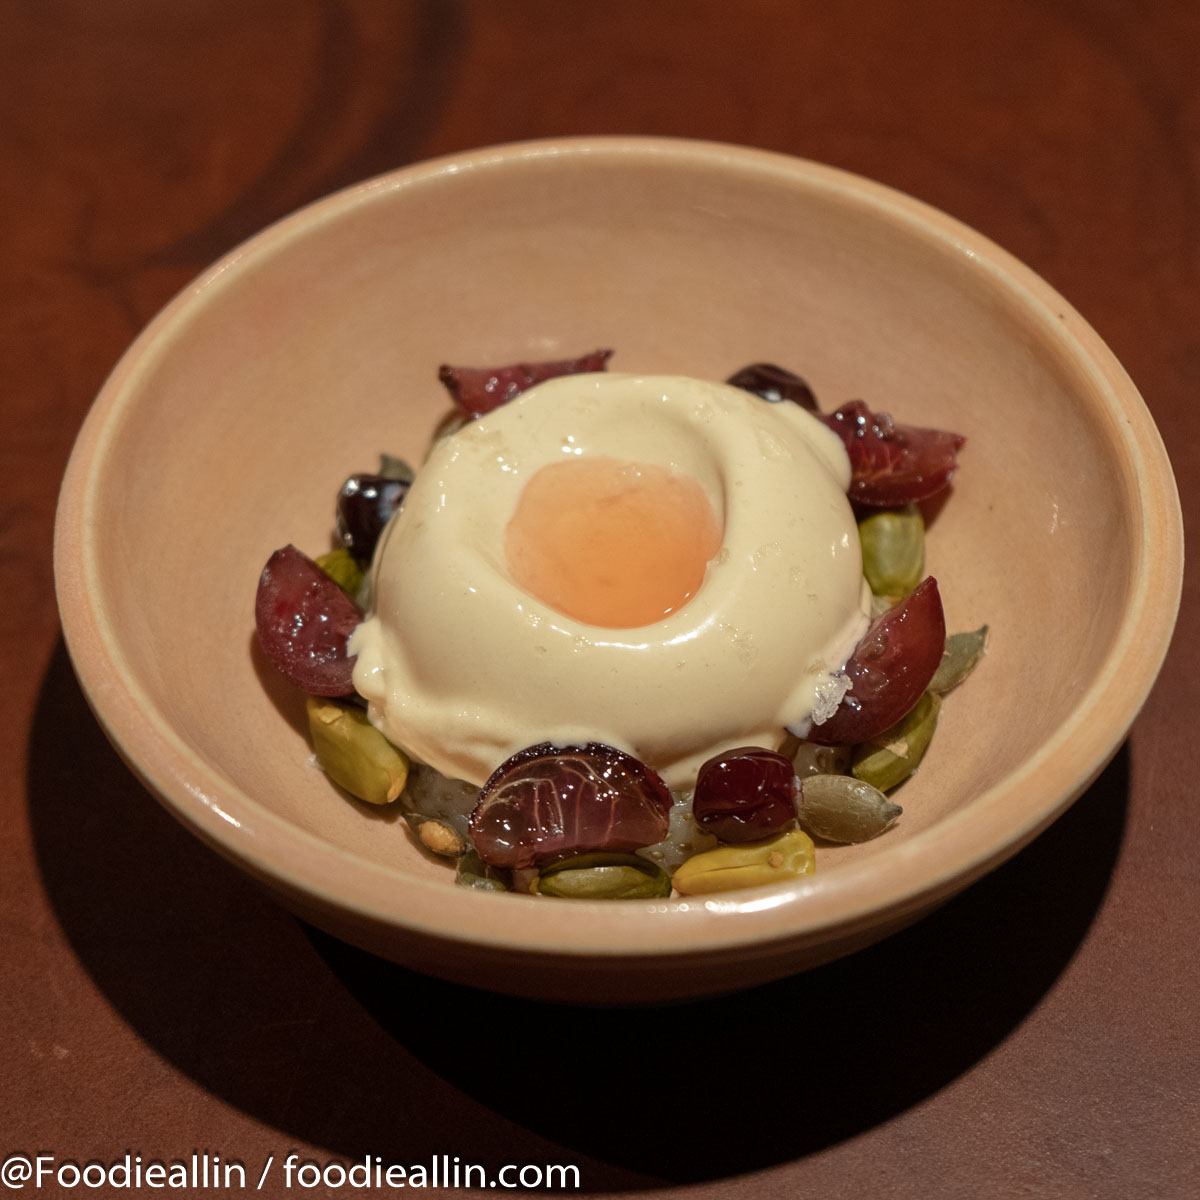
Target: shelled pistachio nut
x,y
896,753
839,808
340,566
353,753
963,651
749,864
604,877
893,550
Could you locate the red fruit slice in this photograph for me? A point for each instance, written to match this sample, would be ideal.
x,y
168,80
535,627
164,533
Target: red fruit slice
x,y
745,794
477,390
893,464
303,620
545,802
889,670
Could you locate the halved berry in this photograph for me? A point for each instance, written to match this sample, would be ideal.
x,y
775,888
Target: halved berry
x,y
546,802
745,794
893,464
303,620
889,670
478,390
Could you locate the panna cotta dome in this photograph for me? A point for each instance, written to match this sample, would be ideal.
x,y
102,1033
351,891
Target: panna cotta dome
x,y
505,587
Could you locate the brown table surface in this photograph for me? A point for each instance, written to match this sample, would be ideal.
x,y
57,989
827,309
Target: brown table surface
x,y
1036,1037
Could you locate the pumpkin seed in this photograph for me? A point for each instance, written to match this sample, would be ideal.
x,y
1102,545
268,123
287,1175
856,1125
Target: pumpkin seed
x,y
840,808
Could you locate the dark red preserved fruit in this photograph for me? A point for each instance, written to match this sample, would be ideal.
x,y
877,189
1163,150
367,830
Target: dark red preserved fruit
x,y
745,794
889,670
546,802
893,464
365,504
477,390
303,620
774,384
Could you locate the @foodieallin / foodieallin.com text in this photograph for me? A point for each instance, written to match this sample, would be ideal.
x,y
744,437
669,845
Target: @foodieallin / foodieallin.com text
x,y
209,1171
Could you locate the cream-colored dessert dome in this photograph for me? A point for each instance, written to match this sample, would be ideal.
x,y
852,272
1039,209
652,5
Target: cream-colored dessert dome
x,y
462,667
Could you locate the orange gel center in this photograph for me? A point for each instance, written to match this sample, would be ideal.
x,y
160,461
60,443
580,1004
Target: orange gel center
x,y
611,543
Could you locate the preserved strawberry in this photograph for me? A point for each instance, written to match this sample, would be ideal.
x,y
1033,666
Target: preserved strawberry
x,y
303,620
477,390
893,464
774,384
745,794
546,802
889,670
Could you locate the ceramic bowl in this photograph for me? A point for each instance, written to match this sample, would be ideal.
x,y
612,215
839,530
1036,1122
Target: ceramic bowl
x,y
226,429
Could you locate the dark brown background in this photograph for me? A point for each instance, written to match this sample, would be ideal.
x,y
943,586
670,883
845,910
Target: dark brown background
x,y
1037,1037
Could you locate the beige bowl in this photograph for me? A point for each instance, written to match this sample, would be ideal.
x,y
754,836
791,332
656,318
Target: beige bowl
x,y
227,427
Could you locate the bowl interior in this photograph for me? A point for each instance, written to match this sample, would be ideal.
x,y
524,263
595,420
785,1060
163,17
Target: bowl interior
x,y
318,346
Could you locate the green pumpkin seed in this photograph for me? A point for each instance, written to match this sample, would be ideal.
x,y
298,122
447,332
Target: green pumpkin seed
x,y
896,753
841,809
354,754
893,550
963,651
473,872
604,877
340,566
431,794
391,467
750,864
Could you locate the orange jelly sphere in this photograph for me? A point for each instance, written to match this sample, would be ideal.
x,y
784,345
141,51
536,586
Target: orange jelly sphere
x,y
611,543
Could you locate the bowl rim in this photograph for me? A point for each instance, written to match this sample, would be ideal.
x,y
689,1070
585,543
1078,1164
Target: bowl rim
x,y
936,862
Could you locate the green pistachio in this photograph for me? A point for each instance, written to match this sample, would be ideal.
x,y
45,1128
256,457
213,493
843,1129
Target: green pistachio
x,y
604,877
749,864
893,550
896,753
473,872
841,809
963,651
354,754
340,566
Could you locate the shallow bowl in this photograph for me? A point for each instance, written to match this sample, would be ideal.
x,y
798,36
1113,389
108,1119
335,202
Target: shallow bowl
x,y
227,427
